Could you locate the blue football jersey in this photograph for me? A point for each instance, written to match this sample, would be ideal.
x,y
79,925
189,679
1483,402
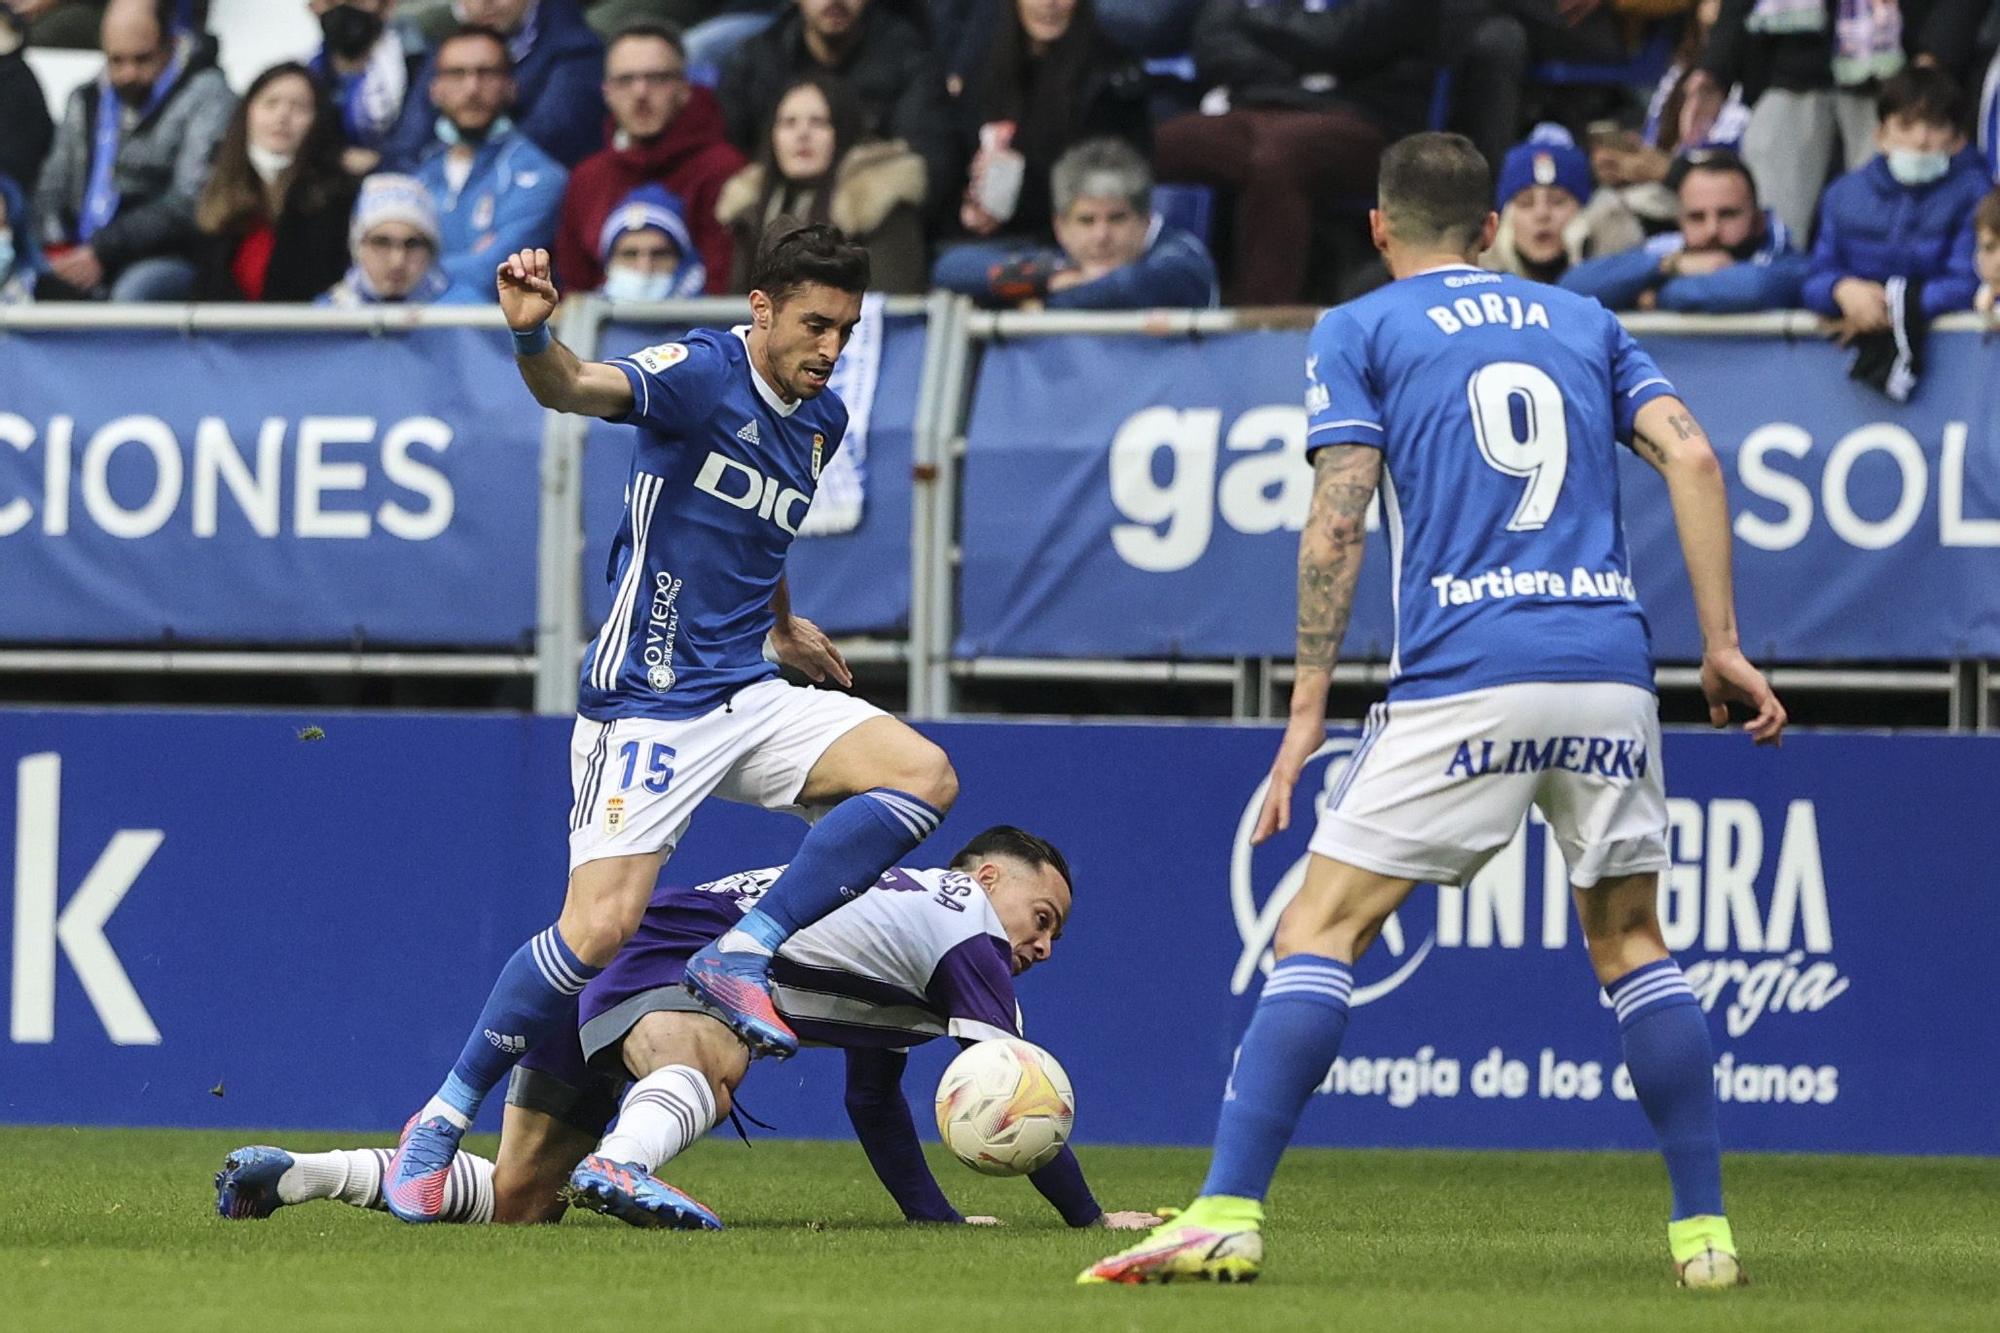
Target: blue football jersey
x,y
723,471
1499,405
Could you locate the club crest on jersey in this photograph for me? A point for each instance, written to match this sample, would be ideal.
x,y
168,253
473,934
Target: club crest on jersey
x,y
614,814
819,453
657,359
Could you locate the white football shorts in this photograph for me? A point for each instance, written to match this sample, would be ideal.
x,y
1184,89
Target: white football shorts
x,y
1437,786
635,781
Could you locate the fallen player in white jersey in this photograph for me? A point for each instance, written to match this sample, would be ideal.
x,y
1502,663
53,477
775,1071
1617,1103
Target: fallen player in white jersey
x,y
927,953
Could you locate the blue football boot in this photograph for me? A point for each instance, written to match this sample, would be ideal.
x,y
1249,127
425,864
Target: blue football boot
x,y
738,987
625,1191
247,1184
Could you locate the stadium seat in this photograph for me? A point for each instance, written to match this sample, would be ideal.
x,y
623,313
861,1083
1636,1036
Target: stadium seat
x,y
1189,207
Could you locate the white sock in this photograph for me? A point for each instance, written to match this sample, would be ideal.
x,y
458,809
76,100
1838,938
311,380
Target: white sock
x,y
439,1106
737,941
353,1176
663,1113
468,1191
350,1175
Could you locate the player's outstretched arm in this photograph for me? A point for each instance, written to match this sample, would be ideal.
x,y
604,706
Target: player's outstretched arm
x,y
555,375
880,1115
1666,435
1344,480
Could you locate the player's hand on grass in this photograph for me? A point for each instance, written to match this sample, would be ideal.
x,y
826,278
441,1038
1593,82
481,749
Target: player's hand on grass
x,y
1129,1221
1728,678
804,646
527,292
1303,737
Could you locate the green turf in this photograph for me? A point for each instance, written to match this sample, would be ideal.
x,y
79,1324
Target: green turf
x,y
115,1230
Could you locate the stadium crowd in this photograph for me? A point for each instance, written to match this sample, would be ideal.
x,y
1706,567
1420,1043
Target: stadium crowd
x,y
1685,155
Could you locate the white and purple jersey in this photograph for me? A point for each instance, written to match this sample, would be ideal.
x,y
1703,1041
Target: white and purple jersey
x,y
723,471
1498,404
920,955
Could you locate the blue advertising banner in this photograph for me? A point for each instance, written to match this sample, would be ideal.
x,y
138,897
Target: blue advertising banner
x,y
854,582
268,488
1139,497
294,934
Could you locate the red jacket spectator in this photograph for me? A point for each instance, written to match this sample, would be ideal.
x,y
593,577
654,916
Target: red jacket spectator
x,y
690,157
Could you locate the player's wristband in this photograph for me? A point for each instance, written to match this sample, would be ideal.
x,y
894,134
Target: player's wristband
x,y
531,342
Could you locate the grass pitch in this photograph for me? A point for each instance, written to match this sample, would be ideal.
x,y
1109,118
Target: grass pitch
x,y
104,1229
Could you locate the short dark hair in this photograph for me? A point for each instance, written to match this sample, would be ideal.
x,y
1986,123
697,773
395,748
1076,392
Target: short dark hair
x,y
1721,161
793,254
1006,840
1986,217
1924,93
657,29
1435,188
485,32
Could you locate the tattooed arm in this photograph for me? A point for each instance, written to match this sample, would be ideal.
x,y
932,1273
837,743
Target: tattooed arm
x,y
1344,481
1666,435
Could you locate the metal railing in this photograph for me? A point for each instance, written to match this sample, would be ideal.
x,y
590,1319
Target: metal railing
x,y
955,333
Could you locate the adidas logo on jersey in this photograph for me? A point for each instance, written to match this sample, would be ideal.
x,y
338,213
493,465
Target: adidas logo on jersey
x,y
506,1044
749,433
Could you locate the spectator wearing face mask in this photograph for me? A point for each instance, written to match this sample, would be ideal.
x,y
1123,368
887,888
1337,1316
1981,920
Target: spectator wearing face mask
x,y
556,62
815,166
647,251
496,191
1113,252
274,212
117,195
1907,214
1551,213
20,261
368,63
1728,256
24,143
393,242
664,131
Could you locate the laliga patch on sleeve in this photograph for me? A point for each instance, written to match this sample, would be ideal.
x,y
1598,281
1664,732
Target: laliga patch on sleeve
x,y
657,359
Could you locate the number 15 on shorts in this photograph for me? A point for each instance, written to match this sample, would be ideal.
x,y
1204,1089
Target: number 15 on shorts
x,y
659,769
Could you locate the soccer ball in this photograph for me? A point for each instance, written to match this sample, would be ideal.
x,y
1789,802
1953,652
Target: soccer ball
x,y
1005,1107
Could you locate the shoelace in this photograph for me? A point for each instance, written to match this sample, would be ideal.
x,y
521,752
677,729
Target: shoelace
x,y
428,1150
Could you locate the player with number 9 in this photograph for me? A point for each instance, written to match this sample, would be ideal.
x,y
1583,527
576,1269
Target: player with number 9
x,y
1488,411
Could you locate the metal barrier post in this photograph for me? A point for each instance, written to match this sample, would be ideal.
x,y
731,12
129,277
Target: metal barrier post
x,y
953,406
559,537
928,551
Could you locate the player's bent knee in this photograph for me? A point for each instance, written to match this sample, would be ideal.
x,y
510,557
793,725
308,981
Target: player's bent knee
x,y
935,780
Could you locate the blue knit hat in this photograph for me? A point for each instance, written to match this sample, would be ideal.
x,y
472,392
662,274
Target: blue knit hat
x,y
657,207
1549,157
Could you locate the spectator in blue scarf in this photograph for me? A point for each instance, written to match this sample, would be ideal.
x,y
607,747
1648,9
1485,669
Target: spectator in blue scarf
x,y
368,63
117,195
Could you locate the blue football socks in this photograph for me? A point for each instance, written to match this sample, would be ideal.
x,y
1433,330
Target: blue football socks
x,y
1667,1052
842,856
1291,1042
536,994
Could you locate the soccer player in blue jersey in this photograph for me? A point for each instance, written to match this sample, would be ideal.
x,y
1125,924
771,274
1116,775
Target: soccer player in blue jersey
x,y
926,954
1486,410
678,703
